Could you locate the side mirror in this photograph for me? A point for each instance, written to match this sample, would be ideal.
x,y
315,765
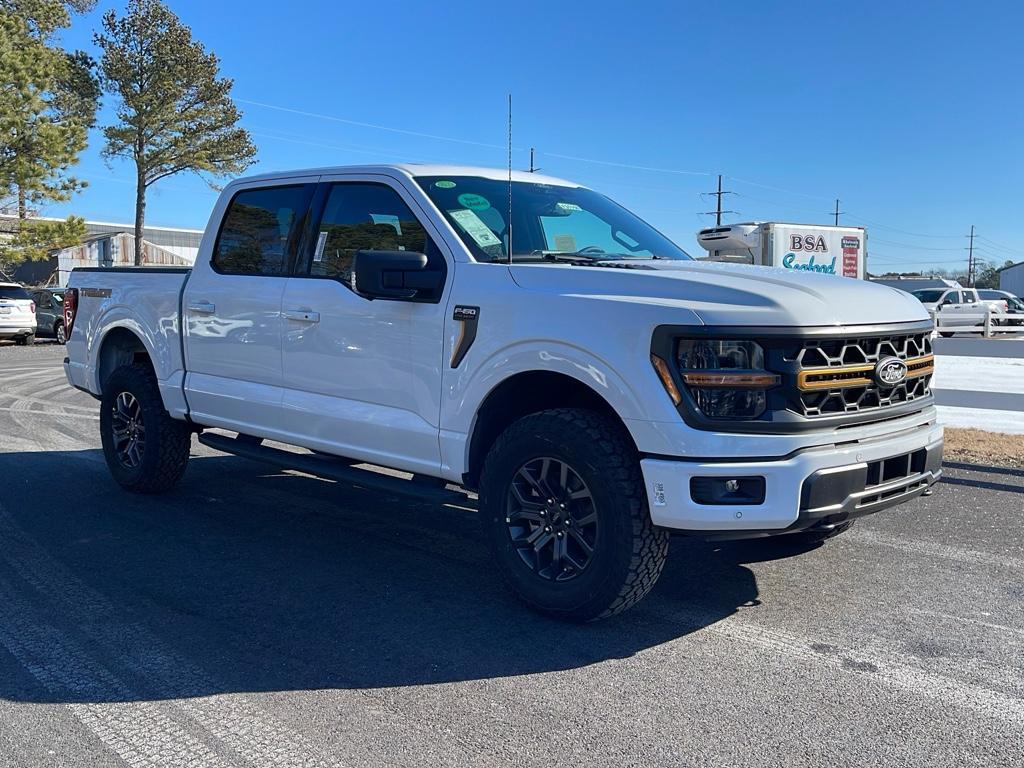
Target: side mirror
x,y
395,275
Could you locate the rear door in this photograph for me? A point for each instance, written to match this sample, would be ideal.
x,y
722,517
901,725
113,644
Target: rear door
x,y
232,309
363,378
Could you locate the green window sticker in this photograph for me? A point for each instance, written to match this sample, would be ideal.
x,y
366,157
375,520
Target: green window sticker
x,y
474,202
444,184
572,207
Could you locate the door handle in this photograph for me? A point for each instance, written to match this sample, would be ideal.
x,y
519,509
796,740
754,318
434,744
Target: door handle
x,y
302,315
202,307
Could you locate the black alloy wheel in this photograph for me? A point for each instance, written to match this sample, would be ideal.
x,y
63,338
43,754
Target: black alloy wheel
x,y
129,430
551,519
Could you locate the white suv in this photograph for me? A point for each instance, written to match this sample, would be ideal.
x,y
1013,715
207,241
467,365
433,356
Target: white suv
x,y
17,314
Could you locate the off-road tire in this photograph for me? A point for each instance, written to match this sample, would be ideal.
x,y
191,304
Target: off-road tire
x,y
164,455
630,550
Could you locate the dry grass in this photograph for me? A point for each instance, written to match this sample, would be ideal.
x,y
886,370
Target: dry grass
x,y
976,446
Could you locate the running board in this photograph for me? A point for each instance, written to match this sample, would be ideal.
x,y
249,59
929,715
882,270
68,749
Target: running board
x,y
427,489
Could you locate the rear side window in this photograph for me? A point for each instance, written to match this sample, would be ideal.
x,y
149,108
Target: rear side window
x,y
13,292
366,217
260,230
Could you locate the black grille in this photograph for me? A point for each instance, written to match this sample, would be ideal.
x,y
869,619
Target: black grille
x,y
818,357
884,476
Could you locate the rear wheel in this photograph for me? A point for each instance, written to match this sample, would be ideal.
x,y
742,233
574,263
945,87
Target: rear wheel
x,y
563,507
146,450
26,340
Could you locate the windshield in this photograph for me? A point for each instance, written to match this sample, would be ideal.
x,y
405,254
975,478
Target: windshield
x,y
12,292
550,223
929,295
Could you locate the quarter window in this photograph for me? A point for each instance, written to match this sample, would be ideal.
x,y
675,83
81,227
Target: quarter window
x,y
366,217
260,230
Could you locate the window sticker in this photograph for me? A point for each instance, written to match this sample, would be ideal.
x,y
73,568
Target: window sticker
x,y
444,184
568,207
387,218
566,243
474,202
475,228
321,241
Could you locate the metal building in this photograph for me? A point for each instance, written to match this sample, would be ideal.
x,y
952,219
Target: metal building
x,y
1011,279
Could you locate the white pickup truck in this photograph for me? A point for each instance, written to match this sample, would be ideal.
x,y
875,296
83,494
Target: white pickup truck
x,y
596,386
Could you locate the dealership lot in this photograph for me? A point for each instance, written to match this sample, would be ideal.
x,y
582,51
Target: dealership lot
x,y
256,617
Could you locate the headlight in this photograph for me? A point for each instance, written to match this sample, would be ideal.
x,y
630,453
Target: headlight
x,y
727,379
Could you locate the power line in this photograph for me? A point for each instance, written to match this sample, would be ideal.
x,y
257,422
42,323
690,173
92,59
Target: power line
x,y
908,246
838,213
970,259
717,213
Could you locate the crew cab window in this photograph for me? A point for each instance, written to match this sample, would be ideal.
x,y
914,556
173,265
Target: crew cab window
x,y
366,217
260,230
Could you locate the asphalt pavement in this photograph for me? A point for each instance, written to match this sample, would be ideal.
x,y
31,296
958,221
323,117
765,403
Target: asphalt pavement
x,y
260,618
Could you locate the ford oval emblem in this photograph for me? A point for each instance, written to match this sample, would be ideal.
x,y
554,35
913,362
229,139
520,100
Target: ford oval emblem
x,y
890,371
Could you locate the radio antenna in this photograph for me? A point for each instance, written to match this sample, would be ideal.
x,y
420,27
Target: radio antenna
x,y
509,178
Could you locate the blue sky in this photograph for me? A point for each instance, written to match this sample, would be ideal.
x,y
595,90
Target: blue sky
x,y
911,112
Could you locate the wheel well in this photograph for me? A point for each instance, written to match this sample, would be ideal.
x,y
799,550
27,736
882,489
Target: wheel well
x,y
120,347
521,395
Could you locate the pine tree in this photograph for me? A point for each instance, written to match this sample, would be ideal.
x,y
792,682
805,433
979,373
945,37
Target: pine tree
x,y
47,106
174,113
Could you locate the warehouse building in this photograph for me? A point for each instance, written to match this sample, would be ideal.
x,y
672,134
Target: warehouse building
x,y
108,244
1011,279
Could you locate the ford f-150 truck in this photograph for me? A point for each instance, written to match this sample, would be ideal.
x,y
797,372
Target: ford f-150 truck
x,y
524,338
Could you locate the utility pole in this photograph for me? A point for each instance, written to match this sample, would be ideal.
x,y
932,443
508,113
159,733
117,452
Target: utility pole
x,y
970,260
837,212
531,159
717,213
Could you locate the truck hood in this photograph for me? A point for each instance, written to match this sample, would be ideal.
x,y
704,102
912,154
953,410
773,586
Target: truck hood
x,y
729,294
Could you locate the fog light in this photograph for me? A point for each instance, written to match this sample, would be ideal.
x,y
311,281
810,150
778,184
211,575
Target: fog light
x,y
727,490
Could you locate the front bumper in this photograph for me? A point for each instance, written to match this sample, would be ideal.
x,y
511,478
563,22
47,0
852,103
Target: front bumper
x,y
811,488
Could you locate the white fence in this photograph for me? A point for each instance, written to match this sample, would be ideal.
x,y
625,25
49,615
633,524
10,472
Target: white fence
x,y
986,321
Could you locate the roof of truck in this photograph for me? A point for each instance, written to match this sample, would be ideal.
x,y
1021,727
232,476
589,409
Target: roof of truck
x,y
416,169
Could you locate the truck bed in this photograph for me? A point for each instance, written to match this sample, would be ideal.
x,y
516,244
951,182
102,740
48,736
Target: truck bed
x,y
145,301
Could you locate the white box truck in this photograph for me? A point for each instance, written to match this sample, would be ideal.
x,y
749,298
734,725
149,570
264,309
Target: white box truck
x,y
802,247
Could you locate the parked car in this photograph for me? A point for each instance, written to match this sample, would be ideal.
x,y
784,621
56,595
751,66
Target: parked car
x,y
17,314
1014,304
960,308
597,386
49,312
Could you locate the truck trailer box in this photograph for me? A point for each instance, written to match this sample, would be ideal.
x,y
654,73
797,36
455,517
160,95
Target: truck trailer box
x,y
807,247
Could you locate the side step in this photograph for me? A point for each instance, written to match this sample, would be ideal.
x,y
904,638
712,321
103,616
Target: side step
x,y
426,489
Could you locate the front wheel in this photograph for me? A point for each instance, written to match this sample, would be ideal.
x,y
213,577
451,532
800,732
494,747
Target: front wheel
x,y
62,337
146,450
563,508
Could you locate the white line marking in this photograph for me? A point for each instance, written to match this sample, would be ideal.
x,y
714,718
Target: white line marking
x,y
969,556
138,732
991,703
239,723
965,620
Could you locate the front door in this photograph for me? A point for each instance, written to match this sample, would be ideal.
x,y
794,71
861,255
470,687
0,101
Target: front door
x,y
363,378
232,310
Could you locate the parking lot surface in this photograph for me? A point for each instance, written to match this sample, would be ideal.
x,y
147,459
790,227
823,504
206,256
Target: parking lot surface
x,y
262,618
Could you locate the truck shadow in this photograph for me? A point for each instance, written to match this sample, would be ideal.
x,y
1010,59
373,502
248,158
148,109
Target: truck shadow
x,y
246,581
